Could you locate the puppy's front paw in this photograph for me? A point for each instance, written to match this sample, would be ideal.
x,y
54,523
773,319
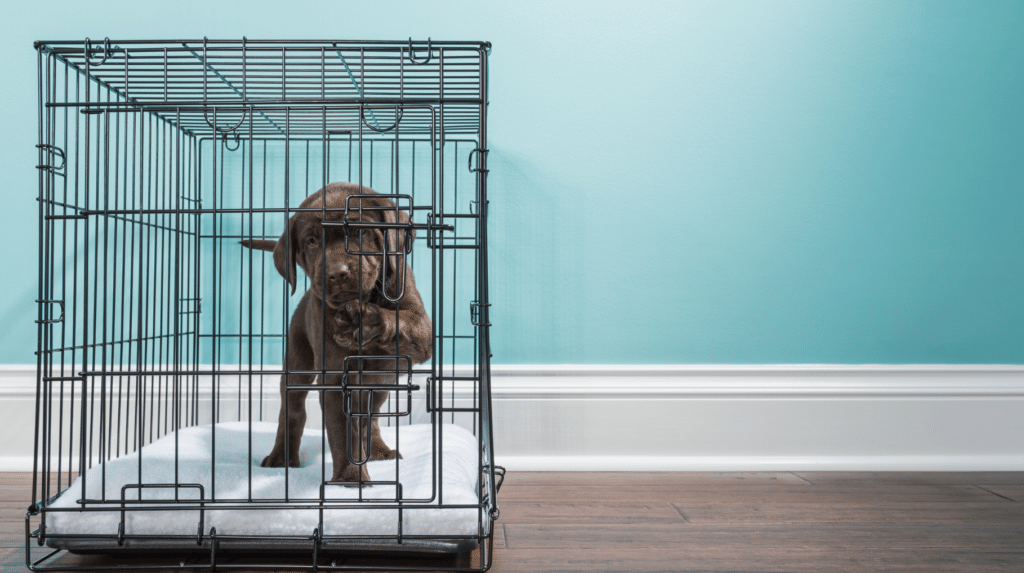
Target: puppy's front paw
x,y
352,473
384,454
357,321
276,460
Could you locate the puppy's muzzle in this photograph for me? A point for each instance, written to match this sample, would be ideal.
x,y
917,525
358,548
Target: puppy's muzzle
x,y
337,274
342,284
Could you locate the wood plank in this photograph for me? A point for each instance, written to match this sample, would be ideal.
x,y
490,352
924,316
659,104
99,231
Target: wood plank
x,y
768,536
14,509
11,560
999,512
12,540
634,479
693,559
23,495
806,493
12,529
529,512
16,489
24,480
914,478
26,477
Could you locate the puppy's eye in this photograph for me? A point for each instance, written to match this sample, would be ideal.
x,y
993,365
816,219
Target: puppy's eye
x,y
311,240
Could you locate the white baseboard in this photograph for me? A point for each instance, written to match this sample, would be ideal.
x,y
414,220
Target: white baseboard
x,y
754,418
711,417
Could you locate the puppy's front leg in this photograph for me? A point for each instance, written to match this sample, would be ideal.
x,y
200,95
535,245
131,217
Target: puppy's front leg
x,y
339,428
379,449
377,329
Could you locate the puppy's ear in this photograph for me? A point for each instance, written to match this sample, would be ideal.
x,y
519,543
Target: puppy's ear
x,y
286,251
398,239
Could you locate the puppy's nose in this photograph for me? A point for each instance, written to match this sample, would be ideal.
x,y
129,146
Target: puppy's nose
x,y
337,272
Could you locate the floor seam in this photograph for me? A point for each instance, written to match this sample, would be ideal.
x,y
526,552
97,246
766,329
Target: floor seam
x,y
802,478
994,493
680,512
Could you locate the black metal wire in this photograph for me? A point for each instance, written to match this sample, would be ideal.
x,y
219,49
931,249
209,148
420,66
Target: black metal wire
x,y
150,155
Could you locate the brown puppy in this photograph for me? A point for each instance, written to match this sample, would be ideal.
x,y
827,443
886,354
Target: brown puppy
x,y
332,323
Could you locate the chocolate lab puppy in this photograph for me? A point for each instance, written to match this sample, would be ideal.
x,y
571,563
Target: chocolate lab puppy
x,y
332,322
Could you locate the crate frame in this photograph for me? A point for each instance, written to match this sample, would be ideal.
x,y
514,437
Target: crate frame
x,y
167,90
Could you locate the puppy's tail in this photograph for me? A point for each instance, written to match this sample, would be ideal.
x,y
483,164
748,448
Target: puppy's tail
x,y
259,244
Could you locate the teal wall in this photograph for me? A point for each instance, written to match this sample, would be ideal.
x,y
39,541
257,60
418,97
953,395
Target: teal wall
x,y
681,182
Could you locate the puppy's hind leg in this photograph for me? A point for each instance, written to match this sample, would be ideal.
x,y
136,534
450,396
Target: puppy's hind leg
x,y
292,419
290,423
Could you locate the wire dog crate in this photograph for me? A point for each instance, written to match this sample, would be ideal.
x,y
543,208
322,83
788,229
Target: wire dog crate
x,y
163,343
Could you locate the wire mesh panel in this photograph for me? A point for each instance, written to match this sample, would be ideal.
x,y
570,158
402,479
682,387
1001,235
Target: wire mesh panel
x,y
172,362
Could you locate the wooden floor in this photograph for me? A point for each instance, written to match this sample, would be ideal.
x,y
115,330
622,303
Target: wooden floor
x,y
735,522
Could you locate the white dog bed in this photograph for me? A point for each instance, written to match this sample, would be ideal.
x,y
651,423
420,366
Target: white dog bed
x,y
233,464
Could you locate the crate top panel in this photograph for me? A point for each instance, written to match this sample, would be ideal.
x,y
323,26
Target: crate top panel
x,y
346,84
